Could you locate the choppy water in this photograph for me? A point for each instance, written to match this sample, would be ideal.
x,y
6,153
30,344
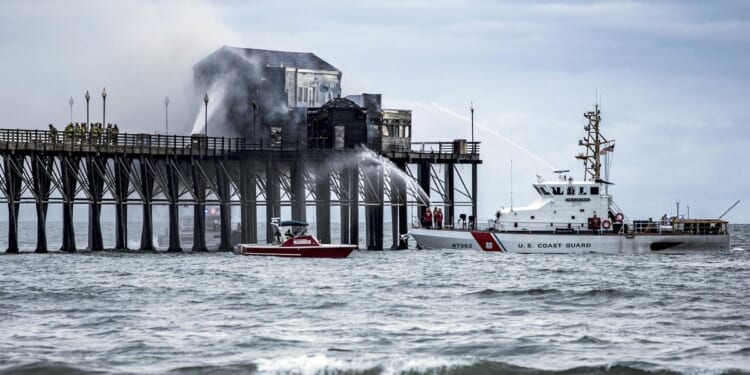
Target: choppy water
x,y
412,311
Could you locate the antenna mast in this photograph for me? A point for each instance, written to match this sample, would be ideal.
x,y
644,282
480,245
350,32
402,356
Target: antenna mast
x,y
593,143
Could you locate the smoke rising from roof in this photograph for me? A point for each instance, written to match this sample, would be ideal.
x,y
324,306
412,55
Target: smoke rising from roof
x,y
141,51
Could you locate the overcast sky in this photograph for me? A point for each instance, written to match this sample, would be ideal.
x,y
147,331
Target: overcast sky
x,y
673,78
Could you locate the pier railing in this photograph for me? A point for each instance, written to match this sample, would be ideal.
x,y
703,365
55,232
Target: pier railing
x,y
46,140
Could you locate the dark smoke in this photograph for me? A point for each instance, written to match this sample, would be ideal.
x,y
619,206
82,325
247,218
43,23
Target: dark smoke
x,y
252,90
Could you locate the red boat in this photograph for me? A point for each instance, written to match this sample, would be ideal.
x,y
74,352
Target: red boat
x,y
297,244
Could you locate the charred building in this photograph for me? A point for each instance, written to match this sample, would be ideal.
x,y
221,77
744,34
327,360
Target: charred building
x,y
264,95
358,120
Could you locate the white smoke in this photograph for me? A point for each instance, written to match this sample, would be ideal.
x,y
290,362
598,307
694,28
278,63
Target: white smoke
x,y
140,50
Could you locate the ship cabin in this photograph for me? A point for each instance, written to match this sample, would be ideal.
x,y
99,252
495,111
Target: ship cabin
x,y
564,205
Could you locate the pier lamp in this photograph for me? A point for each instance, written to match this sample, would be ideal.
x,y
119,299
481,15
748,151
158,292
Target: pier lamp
x,y
71,108
471,108
104,106
255,110
87,96
166,113
205,100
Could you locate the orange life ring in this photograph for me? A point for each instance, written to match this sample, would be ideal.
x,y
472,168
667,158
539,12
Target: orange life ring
x,y
606,224
619,217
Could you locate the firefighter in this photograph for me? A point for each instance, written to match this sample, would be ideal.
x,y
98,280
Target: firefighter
x,y
115,133
95,133
52,134
108,134
439,218
69,132
80,132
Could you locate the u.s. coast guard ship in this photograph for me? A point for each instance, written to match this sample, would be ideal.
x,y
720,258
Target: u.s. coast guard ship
x,y
579,216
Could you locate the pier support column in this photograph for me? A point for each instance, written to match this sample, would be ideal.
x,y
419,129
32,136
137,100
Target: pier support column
x,y
399,220
225,210
174,210
374,206
94,169
273,199
449,219
323,203
199,211
122,184
41,168
297,182
248,205
354,207
147,186
69,166
345,205
13,168
423,178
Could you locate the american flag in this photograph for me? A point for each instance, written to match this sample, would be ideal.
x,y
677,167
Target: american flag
x,y
607,149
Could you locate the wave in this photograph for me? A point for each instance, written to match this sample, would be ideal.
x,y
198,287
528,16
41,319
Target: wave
x,y
332,366
530,292
47,367
320,364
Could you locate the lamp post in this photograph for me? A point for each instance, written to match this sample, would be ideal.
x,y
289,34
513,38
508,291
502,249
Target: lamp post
x,y
87,96
104,106
166,113
71,108
205,100
255,109
471,108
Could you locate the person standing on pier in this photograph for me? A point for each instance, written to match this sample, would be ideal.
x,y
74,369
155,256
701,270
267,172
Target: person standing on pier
x,y
69,132
108,134
52,134
115,133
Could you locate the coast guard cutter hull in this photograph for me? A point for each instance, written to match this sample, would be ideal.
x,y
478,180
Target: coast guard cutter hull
x,y
552,243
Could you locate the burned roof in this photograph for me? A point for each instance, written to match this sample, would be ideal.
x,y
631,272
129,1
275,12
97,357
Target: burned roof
x,y
301,60
340,103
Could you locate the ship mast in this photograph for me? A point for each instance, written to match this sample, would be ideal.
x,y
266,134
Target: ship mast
x,y
593,143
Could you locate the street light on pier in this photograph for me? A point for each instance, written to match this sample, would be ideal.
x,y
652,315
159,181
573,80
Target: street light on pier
x,y
255,109
471,108
205,100
87,107
166,113
104,106
71,108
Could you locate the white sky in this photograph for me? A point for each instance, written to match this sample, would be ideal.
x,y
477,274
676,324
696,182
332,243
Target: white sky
x,y
672,77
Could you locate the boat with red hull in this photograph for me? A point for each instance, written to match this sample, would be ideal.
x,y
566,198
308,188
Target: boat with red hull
x,y
297,245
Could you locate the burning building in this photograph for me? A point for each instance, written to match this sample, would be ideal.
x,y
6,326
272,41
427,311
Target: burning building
x,y
274,97
263,95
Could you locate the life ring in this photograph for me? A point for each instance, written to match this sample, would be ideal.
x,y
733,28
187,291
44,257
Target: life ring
x,y
606,224
619,217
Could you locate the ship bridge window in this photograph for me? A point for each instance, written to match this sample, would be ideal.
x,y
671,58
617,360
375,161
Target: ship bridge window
x,y
544,190
557,190
594,190
582,191
571,190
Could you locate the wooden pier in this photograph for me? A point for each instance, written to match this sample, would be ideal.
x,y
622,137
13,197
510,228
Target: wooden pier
x,y
43,168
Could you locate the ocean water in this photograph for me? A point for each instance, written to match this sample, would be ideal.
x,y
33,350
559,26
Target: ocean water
x,y
390,312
